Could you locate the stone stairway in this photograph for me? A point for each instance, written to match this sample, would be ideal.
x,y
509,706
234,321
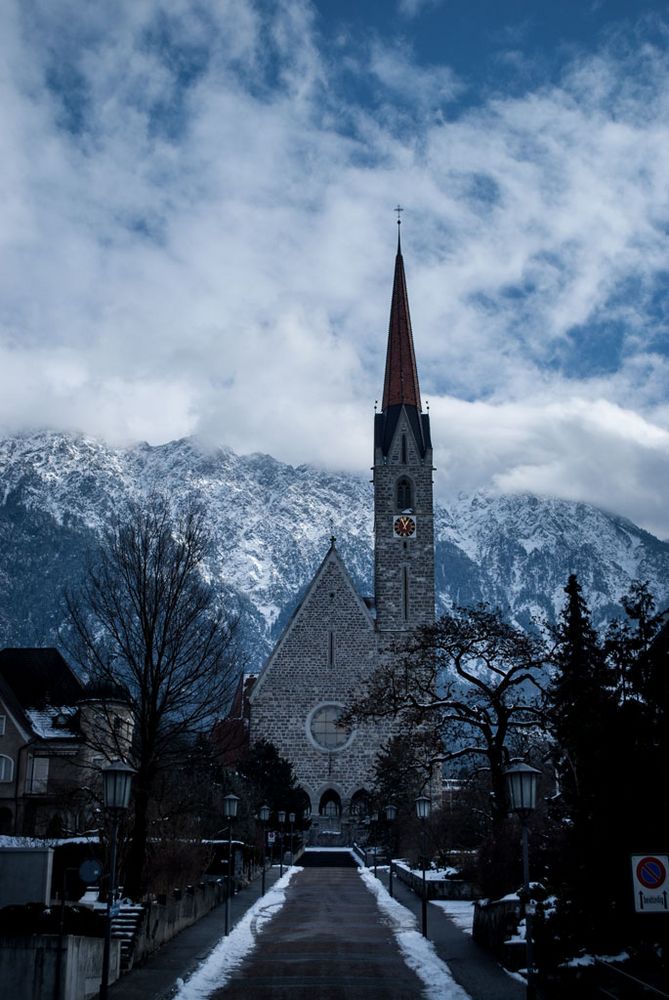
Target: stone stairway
x,y
124,928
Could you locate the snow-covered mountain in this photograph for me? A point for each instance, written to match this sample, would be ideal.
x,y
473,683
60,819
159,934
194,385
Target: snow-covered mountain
x,y
271,524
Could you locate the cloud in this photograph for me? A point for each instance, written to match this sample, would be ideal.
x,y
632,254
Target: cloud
x,y
197,237
574,448
412,8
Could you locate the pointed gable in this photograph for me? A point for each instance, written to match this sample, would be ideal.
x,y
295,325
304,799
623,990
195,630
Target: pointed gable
x,y
314,635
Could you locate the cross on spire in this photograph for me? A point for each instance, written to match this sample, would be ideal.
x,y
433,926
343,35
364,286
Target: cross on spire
x,y
399,211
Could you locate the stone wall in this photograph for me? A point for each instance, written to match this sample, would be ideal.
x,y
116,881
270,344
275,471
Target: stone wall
x,y
495,923
328,648
162,920
392,555
28,966
448,888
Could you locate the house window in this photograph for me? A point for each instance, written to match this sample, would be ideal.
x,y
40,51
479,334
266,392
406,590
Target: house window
x,y
404,494
6,768
38,775
3,722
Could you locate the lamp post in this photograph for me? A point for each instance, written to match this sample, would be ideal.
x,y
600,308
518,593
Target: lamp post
x,y
116,785
423,811
291,820
264,816
230,803
306,817
521,786
391,816
375,821
282,819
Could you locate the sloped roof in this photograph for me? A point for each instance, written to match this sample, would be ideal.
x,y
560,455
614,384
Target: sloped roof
x,y
39,677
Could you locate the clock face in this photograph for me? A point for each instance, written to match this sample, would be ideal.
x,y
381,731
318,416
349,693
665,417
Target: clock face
x,y
404,526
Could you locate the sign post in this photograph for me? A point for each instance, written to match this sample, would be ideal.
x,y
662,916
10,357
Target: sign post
x,y
651,883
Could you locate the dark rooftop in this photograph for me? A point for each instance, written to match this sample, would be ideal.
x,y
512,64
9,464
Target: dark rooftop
x,y
39,676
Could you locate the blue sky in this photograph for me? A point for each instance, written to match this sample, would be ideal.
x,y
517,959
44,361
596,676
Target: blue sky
x,y
198,232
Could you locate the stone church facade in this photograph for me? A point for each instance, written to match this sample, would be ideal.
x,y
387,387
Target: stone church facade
x,y
337,638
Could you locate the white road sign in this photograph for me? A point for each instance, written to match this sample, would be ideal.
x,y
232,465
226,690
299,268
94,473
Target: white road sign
x,y
650,876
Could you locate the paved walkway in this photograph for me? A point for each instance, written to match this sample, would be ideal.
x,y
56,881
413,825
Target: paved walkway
x,y
178,959
471,966
329,940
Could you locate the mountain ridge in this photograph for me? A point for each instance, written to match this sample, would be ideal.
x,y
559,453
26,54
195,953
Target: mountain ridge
x,y
271,524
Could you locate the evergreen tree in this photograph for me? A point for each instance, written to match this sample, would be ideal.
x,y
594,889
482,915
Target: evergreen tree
x,y
582,719
638,647
579,704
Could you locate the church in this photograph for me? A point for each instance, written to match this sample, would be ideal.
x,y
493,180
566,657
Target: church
x,y
337,637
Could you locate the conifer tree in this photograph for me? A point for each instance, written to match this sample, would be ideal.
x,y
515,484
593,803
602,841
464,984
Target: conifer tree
x,y
579,701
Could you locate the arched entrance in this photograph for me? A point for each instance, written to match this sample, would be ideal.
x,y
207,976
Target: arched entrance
x,y
330,805
360,806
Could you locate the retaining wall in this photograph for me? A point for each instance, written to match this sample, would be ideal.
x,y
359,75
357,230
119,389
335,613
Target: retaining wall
x,y
448,888
165,917
28,966
495,925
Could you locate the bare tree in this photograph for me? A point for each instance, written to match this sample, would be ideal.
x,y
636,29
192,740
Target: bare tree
x,y
146,618
474,676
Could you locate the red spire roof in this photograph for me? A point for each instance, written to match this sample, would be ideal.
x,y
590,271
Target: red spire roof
x,y
401,381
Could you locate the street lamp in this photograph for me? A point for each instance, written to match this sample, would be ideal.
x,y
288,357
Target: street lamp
x,y
291,820
521,786
374,818
391,816
282,819
423,811
116,785
306,816
230,803
264,816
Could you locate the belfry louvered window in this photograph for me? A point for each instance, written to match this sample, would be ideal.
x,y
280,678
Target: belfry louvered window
x,y
404,494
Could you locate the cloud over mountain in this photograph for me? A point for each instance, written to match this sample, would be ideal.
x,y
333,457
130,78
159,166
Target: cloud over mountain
x,y
198,239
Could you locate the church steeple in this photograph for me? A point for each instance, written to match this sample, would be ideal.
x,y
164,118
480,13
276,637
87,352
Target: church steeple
x,y
403,504
400,387
401,391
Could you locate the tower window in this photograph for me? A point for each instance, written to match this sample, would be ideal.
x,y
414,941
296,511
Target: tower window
x,y
404,449
405,593
404,494
331,648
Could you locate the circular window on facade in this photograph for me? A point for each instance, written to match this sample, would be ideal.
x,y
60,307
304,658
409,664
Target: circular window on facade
x,y
325,729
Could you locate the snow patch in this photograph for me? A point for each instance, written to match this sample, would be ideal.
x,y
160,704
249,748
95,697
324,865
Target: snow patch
x,y
230,951
417,951
460,911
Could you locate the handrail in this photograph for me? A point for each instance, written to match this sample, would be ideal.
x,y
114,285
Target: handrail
x,y
646,987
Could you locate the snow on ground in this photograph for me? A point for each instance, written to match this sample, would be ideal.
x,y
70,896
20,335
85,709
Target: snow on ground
x,y
8,841
431,874
460,911
417,951
323,850
230,951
